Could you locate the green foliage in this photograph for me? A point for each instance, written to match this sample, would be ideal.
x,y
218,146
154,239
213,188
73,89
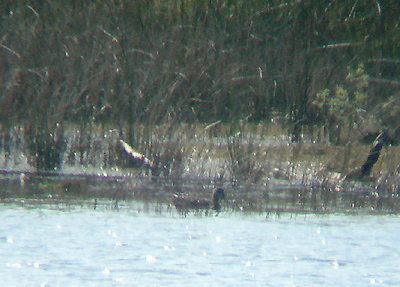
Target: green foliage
x,y
349,102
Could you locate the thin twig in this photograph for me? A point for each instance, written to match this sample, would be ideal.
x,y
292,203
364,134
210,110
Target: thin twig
x,y
11,51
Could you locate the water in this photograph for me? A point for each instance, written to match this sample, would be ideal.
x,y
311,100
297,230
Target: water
x,y
86,247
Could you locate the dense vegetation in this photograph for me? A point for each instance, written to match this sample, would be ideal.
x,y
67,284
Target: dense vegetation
x,y
311,65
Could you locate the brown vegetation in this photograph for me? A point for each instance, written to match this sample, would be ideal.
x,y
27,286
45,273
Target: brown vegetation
x,y
78,76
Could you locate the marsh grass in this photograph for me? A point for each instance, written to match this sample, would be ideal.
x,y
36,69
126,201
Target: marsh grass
x,y
261,169
124,64
250,153
230,92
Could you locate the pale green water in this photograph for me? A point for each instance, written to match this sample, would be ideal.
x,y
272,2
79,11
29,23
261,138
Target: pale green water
x,y
85,247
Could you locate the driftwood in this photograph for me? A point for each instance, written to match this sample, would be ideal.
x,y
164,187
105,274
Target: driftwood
x,y
135,156
373,156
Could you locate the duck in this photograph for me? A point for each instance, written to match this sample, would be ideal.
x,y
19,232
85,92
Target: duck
x,y
183,203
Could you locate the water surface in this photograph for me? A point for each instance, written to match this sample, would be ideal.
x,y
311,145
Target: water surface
x,y
104,247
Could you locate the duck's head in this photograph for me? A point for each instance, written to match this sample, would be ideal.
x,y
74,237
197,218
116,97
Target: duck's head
x,y
220,193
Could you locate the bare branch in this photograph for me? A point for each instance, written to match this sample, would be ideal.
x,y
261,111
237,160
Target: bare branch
x,y
11,51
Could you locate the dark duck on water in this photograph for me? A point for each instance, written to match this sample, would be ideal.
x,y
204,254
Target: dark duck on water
x,y
183,203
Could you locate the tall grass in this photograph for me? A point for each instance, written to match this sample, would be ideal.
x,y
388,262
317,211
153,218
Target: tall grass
x,y
129,64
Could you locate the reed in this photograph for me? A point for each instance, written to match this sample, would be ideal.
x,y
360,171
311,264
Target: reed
x,y
197,87
156,62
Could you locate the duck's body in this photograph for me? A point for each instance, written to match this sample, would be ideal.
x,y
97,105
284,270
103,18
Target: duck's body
x,y
184,204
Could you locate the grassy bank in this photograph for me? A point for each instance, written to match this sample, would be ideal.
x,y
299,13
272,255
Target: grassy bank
x,y
245,153
259,166
239,91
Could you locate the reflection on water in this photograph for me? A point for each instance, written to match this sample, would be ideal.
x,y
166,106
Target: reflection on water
x,y
86,247
273,197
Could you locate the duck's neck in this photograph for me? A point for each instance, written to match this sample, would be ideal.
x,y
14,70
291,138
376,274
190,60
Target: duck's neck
x,y
216,198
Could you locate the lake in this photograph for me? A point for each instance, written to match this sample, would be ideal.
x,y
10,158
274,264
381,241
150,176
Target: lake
x,y
136,246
